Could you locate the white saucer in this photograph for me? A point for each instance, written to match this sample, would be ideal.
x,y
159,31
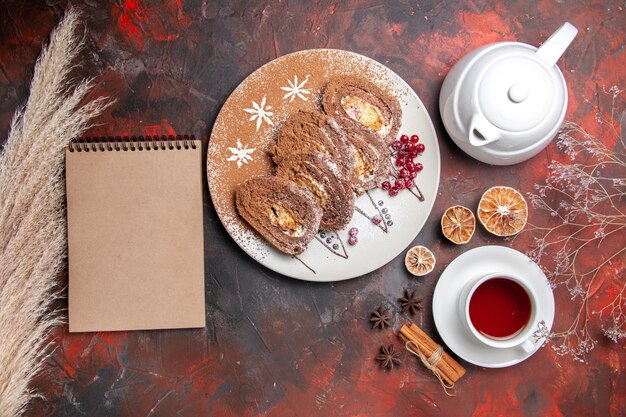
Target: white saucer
x,y
476,262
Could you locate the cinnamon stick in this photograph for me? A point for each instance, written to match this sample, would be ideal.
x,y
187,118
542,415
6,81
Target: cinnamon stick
x,y
449,369
449,366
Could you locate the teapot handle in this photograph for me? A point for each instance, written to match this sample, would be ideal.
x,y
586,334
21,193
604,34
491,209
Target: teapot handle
x,y
557,43
481,131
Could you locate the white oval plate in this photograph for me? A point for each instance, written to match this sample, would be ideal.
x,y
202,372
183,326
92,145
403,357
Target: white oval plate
x,y
478,261
247,124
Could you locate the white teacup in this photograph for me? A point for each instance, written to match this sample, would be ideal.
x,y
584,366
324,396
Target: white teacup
x,y
521,338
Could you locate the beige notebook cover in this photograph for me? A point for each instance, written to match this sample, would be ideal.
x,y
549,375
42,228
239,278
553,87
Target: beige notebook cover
x,y
135,236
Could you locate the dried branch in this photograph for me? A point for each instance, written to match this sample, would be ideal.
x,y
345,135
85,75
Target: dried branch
x,y
582,245
32,212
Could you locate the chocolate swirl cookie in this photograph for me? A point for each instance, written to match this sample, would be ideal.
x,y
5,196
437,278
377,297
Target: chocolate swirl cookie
x,y
281,211
372,159
359,104
312,130
318,174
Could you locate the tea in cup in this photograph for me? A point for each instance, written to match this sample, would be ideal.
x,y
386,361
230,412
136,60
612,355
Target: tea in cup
x,y
500,310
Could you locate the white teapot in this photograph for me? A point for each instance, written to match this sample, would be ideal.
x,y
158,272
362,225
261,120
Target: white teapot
x,y
504,102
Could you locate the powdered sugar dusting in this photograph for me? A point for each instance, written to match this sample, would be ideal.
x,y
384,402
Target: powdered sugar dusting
x,y
333,167
246,238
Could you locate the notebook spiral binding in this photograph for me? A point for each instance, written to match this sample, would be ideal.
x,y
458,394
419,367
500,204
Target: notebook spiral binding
x,y
131,143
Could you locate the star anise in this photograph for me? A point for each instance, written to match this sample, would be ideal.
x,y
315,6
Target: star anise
x,y
381,318
410,302
388,357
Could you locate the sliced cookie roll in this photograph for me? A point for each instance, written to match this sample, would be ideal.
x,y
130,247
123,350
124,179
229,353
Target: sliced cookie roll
x,y
319,174
312,130
372,161
284,213
362,105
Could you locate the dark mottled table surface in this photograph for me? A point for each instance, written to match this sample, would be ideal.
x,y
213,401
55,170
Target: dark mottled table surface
x,y
281,347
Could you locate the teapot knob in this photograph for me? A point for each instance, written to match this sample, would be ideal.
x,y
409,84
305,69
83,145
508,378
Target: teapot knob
x,y
518,93
481,131
557,43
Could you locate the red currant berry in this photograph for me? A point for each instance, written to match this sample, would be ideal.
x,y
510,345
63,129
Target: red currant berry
x,y
409,147
404,173
396,145
415,138
353,231
400,184
404,138
414,174
410,166
414,153
377,219
420,147
409,183
353,240
393,192
419,167
400,161
386,185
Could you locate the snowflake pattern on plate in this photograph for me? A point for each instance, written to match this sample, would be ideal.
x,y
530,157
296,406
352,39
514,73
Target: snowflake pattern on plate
x,y
241,154
261,113
296,90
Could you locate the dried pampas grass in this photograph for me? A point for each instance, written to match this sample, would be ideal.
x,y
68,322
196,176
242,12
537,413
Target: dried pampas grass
x,y
32,212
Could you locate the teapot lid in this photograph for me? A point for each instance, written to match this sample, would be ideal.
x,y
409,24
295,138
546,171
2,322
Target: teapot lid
x,y
519,91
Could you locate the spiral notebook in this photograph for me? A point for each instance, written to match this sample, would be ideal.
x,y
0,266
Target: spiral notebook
x,y
135,233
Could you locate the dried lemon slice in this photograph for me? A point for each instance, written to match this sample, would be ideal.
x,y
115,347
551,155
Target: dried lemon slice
x,y
419,261
503,211
458,224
